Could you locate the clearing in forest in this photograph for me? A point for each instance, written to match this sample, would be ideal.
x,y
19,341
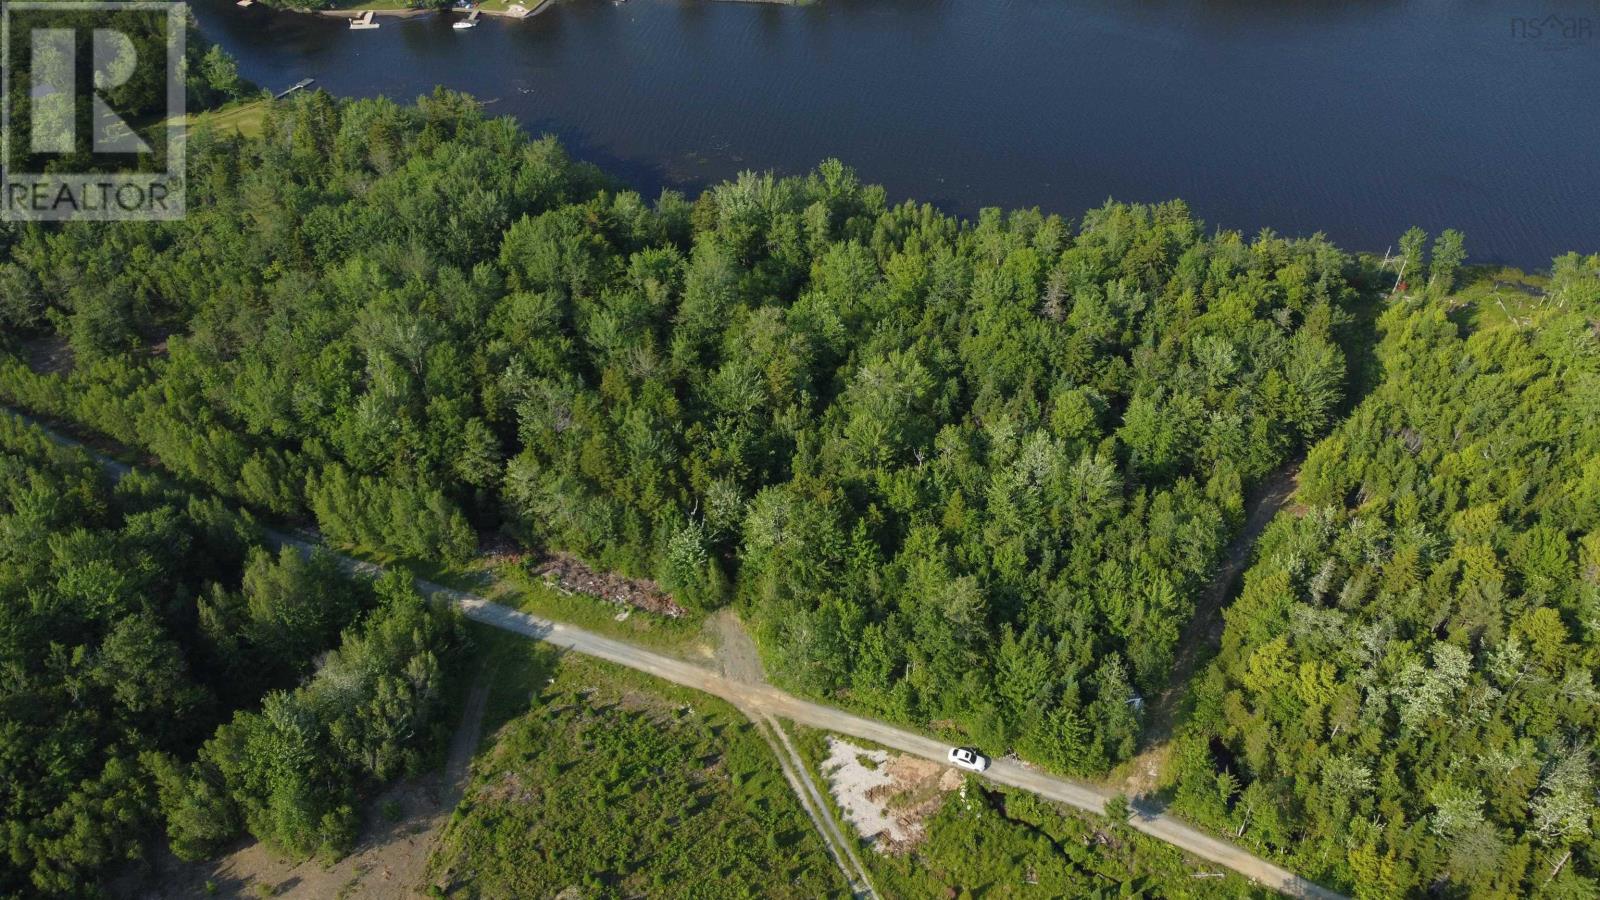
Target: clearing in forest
x,y
886,796
616,784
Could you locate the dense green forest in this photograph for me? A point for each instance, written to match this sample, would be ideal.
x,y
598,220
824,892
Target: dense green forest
x,y
135,620
968,473
1405,699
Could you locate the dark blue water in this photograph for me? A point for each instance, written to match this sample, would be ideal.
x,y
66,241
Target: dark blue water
x,y
1358,119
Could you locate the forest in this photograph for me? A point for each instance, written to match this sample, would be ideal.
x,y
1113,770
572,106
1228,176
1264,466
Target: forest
x,y
967,475
970,472
1405,698
150,652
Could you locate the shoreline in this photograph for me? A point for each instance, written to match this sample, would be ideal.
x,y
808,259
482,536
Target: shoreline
x,y
356,12
418,12
408,13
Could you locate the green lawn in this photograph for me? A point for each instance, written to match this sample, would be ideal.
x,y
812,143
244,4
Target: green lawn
x,y
503,5
1491,297
357,5
620,785
243,118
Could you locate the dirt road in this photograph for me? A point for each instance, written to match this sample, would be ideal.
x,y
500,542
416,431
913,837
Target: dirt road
x,y
765,699
770,700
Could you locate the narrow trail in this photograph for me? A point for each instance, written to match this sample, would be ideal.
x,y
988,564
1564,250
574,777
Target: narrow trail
x,y
1202,636
464,743
740,661
764,699
412,868
794,771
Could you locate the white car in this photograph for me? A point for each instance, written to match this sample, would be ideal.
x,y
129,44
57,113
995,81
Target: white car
x,y
968,758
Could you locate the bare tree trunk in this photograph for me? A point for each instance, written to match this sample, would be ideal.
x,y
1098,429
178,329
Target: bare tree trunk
x,y
1557,870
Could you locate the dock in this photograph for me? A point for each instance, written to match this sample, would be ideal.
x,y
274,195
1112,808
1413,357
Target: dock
x,y
300,85
364,21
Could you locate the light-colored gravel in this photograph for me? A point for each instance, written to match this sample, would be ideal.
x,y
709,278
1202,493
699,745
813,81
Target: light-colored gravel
x,y
887,797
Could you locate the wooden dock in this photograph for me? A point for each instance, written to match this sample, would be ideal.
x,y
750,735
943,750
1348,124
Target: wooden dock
x,y
364,21
300,85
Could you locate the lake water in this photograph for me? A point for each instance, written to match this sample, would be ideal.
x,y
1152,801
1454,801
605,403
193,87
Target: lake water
x,y
1357,119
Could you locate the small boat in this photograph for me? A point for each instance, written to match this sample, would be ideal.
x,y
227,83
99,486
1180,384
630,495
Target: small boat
x,y
460,26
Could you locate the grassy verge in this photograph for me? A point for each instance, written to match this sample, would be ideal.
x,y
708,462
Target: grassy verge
x,y
517,668
1492,297
618,784
510,584
990,841
243,118
515,587
381,5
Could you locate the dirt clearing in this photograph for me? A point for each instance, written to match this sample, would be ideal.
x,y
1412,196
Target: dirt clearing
x,y
886,797
49,356
736,653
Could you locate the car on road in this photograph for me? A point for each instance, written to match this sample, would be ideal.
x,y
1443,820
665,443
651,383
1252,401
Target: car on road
x,y
968,758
